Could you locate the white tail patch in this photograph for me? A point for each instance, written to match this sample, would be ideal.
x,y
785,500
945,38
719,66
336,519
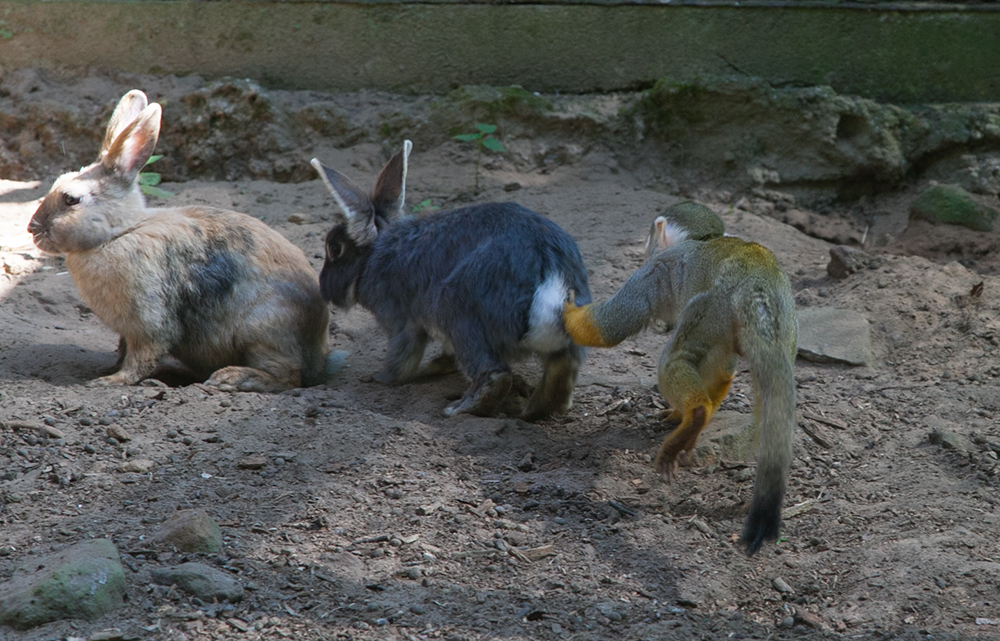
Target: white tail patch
x,y
545,325
665,234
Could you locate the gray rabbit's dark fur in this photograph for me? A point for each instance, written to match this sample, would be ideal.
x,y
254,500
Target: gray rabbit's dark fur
x,y
490,280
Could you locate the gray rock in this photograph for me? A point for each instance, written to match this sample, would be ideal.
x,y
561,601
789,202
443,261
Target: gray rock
x,y
202,581
728,436
828,335
948,440
84,581
190,531
781,585
845,260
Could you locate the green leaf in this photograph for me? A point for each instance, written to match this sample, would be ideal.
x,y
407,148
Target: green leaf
x,y
493,144
149,190
153,159
486,129
149,178
424,205
468,137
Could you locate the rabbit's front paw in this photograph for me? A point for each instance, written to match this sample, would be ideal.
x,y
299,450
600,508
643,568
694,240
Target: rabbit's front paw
x,y
247,379
119,378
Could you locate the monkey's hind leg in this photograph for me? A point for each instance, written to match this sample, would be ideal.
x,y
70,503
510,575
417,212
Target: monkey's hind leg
x,y
718,389
681,385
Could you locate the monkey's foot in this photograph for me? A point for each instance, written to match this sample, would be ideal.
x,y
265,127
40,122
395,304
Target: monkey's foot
x,y
679,442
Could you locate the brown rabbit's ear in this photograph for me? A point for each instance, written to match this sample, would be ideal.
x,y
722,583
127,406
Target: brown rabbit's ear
x,y
389,195
354,203
128,109
130,149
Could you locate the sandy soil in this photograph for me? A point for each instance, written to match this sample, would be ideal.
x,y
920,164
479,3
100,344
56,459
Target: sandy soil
x,y
376,517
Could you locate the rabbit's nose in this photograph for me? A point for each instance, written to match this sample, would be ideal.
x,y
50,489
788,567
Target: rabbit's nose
x,y
37,224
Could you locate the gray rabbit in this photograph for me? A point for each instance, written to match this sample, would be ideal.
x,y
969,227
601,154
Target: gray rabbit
x,y
221,291
488,280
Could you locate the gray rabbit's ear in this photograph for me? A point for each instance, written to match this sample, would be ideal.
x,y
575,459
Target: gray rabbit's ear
x,y
128,109
354,203
389,195
129,151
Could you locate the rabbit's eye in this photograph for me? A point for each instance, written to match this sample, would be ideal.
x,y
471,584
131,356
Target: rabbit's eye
x,y
69,200
334,251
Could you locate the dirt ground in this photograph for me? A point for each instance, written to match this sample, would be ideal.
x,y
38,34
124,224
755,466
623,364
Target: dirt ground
x,y
378,518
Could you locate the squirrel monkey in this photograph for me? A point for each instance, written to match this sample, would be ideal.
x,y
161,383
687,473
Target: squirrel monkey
x,y
724,298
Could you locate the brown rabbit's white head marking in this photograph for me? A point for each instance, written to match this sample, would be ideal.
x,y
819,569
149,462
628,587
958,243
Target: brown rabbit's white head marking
x,y
90,207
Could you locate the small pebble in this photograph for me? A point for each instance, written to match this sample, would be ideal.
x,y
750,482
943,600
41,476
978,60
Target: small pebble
x,y
781,586
118,433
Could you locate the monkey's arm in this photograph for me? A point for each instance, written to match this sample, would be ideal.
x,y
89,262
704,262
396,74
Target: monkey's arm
x,y
625,314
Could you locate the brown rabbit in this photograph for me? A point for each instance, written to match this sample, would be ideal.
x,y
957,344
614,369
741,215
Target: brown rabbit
x,y
222,292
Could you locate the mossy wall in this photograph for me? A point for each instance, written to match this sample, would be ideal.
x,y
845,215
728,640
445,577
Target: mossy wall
x,y
890,53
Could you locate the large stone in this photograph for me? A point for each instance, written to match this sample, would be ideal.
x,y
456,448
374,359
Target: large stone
x,y
953,205
190,531
202,581
84,581
727,437
846,260
828,335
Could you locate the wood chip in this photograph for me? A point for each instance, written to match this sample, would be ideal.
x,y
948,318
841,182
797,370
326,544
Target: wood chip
x,y
39,428
483,507
472,554
812,620
518,554
240,625
427,510
832,422
533,554
816,435
796,510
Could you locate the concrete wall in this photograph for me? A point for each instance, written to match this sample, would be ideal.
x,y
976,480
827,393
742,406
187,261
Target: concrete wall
x,y
896,53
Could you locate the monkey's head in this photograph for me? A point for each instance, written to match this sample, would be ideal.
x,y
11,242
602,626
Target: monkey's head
x,y
686,220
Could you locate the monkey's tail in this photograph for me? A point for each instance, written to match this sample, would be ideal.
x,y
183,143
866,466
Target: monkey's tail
x,y
768,342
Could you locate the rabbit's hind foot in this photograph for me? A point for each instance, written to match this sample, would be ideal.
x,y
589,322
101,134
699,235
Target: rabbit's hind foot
x,y
554,393
483,398
248,379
